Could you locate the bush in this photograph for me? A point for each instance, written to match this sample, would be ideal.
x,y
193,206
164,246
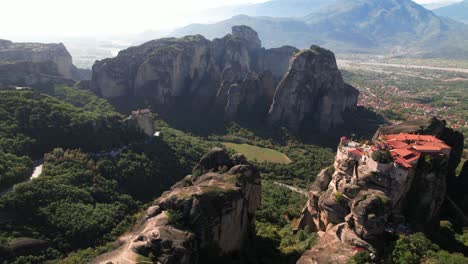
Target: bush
x,y
175,218
412,249
382,156
363,257
339,197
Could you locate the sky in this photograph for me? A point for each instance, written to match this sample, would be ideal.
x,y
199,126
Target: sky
x,y
73,18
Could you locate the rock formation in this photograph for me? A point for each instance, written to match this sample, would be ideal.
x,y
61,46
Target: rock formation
x,y
206,215
353,204
143,119
313,89
29,74
230,76
38,61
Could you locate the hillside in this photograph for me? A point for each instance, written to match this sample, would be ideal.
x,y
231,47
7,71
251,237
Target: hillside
x,y
457,11
32,124
391,26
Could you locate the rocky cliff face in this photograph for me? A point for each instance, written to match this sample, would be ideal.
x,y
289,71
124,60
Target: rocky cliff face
x,y
56,54
208,214
233,75
313,89
29,74
353,204
170,70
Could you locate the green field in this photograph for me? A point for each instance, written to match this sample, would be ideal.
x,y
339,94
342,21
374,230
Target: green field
x,y
259,154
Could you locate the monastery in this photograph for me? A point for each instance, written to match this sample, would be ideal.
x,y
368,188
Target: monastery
x,y
406,150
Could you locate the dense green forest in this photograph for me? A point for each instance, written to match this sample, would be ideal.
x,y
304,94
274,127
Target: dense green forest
x,y
32,124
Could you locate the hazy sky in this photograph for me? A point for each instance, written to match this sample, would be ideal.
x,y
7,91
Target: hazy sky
x,y
20,18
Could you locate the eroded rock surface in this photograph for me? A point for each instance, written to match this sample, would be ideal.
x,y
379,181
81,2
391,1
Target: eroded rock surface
x,y
313,89
355,203
205,216
55,54
30,74
231,77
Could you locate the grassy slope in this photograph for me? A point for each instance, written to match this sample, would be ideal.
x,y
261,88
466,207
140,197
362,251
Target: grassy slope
x,y
259,154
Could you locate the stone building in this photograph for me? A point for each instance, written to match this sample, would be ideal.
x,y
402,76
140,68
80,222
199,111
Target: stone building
x,y
143,119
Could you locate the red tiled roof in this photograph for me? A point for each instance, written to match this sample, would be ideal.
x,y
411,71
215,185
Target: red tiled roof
x,y
396,144
430,146
407,155
404,153
412,137
400,161
356,152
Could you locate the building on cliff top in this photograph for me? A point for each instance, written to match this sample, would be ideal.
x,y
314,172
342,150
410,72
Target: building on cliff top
x,y
405,149
143,119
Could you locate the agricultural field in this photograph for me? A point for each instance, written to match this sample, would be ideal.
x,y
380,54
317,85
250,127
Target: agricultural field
x,y
259,154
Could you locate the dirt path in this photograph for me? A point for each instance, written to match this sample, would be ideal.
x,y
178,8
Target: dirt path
x,y
124,254
405,66
292,188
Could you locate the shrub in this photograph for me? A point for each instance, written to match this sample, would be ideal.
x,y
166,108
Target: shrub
x,y
175,218
382,156
339,196
363,257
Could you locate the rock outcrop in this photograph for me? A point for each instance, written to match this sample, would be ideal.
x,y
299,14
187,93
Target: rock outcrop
x,y
201,217
232,76
353,204
143,119
169,70
27,54
312,90
31,74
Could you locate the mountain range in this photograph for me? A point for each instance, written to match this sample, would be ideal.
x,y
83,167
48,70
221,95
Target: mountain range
x,y
457,11
357,26
273,8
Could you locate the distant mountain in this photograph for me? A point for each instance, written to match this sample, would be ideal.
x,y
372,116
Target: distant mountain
x,y
273,8
371,26
438,4
458,11
274,32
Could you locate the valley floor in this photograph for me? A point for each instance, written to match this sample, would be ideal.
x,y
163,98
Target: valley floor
x,y
405,89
